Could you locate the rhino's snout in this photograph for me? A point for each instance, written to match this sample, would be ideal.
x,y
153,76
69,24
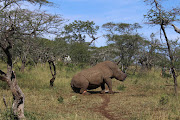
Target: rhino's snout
x,y
122,76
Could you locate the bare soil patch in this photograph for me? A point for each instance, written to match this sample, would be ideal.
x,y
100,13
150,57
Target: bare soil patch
x,y
103,108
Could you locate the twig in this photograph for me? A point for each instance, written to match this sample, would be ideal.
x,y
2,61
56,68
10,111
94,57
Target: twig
x,y
4,100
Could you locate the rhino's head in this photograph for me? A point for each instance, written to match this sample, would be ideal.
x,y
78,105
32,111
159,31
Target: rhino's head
x,y
119,75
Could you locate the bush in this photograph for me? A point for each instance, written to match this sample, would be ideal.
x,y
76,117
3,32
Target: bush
x,y
60,99
30,115
7,115
135,81
121,87
164,100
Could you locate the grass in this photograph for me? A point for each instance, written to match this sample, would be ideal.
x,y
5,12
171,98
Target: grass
x,y
144,95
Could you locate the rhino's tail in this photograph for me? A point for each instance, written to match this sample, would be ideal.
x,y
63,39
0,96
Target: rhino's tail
x,y
75,89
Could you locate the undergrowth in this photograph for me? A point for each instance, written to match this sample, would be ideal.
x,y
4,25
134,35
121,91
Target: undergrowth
x,y
145,94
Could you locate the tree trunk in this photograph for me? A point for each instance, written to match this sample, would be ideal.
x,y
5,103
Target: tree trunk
x,y
23,65
18,97
171,60
169,48
10,78
51,63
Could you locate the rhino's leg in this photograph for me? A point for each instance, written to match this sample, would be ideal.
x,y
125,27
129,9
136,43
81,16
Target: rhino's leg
x,y
103,88
84,87
108,81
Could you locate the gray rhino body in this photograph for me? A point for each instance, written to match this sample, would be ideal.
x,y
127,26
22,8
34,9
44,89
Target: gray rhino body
x,y
97,76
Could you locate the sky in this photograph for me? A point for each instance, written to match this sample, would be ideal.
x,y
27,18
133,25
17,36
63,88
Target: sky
x,y
117,11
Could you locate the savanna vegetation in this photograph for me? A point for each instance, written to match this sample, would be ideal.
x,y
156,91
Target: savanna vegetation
x,y
35,71
145,94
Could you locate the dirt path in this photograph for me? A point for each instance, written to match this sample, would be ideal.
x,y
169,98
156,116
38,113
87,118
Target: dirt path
x,y
102,109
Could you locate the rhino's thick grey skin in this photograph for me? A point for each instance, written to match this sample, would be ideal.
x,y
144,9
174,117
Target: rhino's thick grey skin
x,y
97,76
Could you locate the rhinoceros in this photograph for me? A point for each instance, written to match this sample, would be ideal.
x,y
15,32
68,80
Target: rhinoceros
x,y
97,76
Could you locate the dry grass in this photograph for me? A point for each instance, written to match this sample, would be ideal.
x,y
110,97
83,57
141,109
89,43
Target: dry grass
x,y
145,96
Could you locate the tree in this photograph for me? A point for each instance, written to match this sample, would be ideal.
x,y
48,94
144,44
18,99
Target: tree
x,y
158,16
100,54
61,47
36,23
75,35
150,54
80,31
15,26
124,43
79,52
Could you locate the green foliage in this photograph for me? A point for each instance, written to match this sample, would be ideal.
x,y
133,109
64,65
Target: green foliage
x,y
122,28
155,16
79,30
8,115
62,103
164,99
79,53
59,65
124,42
74,97
121,87
3,85
135,81
30,115
60,99
61,47
82,65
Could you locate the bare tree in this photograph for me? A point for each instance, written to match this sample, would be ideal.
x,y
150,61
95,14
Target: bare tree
x,y
162,18
14,27
10,77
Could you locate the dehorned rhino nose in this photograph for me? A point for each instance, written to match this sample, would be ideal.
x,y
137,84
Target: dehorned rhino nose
x,y
125,75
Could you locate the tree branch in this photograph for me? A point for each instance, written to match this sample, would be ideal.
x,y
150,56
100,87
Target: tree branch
x,y
3,76
175,28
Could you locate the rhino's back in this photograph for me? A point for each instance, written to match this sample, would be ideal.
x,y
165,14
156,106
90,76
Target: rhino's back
x,y
100,69
91,74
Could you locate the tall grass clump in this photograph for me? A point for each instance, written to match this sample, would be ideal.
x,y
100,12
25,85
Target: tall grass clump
x,y
164,99
121,87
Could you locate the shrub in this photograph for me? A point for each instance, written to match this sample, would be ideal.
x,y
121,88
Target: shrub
x,y
60,99
7,115
121,87
164,100
30,115
136,81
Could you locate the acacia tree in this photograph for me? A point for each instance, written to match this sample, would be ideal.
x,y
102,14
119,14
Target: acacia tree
x,y
125,43
149,54
15,27
75,34
80,31
158,16
37,23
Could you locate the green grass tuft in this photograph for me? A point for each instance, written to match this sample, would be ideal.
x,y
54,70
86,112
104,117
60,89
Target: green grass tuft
x,y
164,99
121,87
60,99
